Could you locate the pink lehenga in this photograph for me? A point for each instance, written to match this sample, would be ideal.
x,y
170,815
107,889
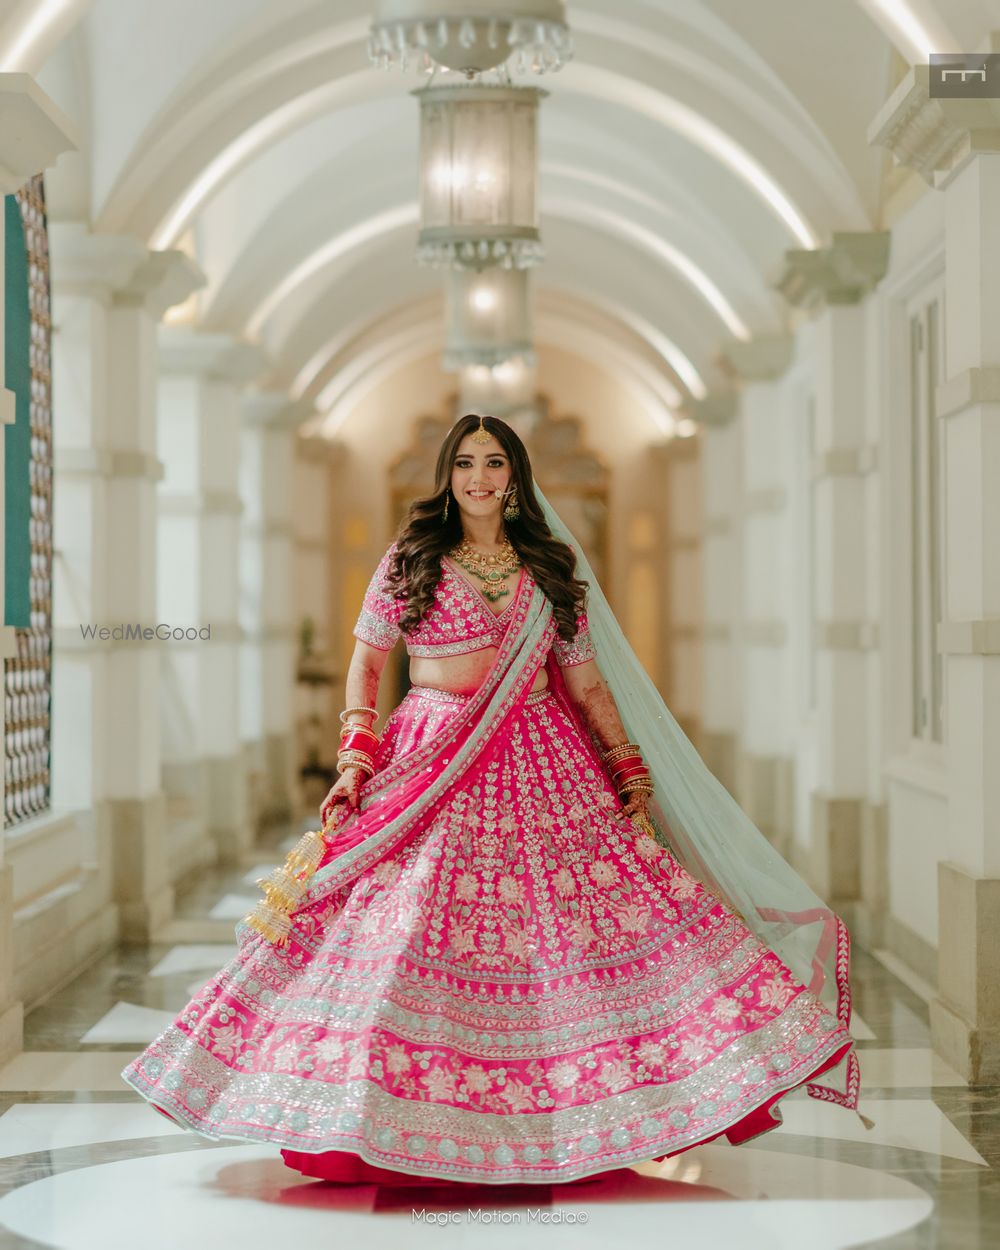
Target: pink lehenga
x,y
494,976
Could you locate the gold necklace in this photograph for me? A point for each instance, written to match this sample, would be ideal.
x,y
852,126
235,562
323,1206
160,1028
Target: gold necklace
x,y
491,568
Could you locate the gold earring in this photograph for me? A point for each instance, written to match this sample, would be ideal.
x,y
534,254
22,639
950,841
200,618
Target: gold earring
x,y
444,515
512,510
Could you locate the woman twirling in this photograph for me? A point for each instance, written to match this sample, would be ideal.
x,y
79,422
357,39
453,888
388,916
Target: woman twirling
x,y
537,940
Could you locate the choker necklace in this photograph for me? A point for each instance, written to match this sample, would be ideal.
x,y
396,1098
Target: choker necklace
x,y
492,569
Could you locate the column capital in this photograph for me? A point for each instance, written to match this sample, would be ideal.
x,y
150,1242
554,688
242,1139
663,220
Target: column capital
x,y
118,268
274,410
935,136
718,408
33,133
844,272
763,358
212,356
315,447
162,280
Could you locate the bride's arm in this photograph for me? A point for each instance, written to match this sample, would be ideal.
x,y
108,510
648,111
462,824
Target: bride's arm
x,y
364,675
592,696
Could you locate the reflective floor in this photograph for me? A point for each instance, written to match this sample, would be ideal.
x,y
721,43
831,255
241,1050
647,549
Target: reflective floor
x,y
84,1162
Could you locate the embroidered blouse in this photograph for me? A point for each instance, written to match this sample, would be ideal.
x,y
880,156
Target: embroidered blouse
x,y
459,621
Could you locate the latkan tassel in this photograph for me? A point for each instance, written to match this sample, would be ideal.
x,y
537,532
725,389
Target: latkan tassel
x,y
288,884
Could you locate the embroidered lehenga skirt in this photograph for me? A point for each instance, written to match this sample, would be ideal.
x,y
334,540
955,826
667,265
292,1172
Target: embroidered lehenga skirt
x,y
528,990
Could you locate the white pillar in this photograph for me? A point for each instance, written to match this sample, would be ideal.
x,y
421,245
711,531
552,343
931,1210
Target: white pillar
x,y
954,144
32,135
268,615
318,596
721,457
204,769
764,773
845,831
109,293
679,575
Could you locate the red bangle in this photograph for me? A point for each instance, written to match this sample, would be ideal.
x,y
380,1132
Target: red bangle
x,y
637,779
625,762
628,768
358,741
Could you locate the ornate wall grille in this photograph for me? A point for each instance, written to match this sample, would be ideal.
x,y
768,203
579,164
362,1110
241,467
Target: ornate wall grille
x,y
28,675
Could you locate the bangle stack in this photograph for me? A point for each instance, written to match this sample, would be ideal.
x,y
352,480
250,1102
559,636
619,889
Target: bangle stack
x,y
628,771
358,742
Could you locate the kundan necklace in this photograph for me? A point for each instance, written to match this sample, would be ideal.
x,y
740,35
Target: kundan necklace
x,y
492,569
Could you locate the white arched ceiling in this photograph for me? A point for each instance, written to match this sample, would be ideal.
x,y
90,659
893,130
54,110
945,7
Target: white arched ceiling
x,y
352,292
562,317
376,357
149,179
687,146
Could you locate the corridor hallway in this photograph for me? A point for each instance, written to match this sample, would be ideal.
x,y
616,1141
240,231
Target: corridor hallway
x,y
85,1164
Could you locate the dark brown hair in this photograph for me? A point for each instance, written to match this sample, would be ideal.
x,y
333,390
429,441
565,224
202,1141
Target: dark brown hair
x,y
415,568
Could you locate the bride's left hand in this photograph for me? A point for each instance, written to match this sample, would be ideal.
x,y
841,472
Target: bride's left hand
x,y
637,803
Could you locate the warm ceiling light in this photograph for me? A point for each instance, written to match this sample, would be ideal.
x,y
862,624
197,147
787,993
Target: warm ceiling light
x,y
471,35
479,176
488,318
484,299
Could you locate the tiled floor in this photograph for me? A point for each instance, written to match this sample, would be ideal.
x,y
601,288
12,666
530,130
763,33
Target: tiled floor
x,y
85,1163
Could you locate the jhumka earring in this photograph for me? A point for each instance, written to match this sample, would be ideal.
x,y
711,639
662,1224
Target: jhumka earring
x,y
444,515
512,511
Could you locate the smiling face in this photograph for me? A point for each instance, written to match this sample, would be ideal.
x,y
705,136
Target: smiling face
x,y
478,471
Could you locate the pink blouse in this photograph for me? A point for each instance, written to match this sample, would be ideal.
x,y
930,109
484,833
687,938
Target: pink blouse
x,y
459,621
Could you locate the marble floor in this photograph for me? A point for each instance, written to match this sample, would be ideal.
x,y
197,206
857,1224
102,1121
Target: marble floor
x,y
85,1163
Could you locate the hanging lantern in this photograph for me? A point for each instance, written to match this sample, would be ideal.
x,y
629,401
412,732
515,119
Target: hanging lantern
x,y
489,318
479,176
498,389
471,35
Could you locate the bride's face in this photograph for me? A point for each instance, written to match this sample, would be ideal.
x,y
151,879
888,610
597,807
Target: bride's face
x,y
478,471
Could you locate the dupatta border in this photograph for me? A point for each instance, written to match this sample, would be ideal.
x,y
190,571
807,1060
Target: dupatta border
x,y
506,682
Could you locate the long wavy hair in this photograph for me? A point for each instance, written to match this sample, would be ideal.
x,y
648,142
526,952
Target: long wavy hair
x,y
415,568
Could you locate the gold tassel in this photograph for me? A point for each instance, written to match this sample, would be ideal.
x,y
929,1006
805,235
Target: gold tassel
x,y
288,884
643,824
869,1124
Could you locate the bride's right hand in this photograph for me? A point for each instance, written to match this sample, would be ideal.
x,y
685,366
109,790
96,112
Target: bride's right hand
x,y
347,786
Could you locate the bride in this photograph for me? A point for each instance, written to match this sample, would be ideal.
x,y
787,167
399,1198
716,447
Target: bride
x,y
535,939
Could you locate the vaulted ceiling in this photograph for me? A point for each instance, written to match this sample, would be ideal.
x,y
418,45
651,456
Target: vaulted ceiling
x,y
687,145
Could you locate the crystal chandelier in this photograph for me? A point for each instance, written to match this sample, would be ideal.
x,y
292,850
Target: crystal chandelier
x,y
479,176
471,35
488,320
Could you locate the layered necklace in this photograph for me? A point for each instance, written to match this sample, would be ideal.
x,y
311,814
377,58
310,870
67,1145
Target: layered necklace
x,y
491,569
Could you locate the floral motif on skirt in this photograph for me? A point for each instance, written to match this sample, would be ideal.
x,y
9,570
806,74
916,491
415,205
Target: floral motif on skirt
x,y
525,990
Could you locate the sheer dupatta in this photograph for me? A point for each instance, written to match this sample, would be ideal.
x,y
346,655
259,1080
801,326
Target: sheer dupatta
x,y
395,802
716,841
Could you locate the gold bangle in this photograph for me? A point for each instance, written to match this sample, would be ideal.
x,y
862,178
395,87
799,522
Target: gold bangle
x,y
642,786
353,755
365,768
348,710
623,748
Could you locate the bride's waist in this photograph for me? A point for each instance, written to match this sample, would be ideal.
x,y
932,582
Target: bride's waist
x,y
461,674
435,694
